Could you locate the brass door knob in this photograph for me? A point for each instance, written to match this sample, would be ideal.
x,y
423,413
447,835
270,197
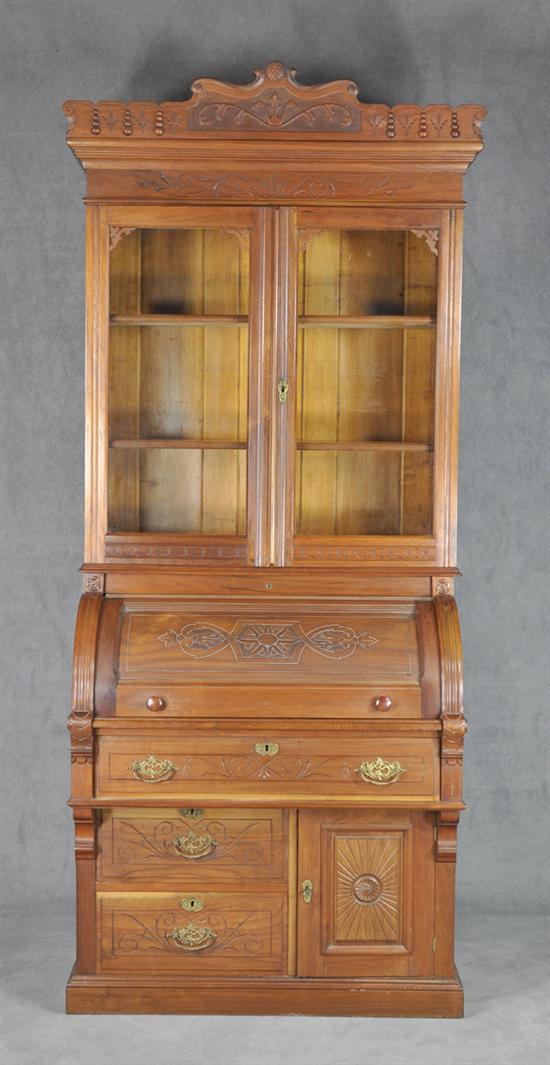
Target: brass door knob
x,y
155,703
382,702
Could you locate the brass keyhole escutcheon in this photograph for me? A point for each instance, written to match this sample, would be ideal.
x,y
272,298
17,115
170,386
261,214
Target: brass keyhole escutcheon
x,y
266,748
307,890
192,904
282,389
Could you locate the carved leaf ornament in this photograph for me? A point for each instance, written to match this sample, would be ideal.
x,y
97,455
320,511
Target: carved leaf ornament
x,y
276,641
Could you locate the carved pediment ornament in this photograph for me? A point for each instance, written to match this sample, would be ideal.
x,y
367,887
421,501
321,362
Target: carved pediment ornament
x,y
275,102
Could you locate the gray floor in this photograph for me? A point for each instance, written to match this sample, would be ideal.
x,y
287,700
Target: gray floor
x,y
502,963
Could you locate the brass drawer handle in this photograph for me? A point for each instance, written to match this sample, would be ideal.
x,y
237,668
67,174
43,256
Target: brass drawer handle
x,y
380,771
192,937
152,770
307,890
192,846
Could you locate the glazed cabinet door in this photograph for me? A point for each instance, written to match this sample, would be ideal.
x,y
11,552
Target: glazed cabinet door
x,y
363,367
181,443
366,894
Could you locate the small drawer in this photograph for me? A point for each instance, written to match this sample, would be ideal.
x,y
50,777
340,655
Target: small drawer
x,y
198,932
193,845
200,768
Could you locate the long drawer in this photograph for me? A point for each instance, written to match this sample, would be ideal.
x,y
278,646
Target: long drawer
x,y
202,933
222,765
161,700
193,845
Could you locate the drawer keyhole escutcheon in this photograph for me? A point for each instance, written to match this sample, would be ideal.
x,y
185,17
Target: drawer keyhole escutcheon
x,y
191,812
307,890
266,748
192,904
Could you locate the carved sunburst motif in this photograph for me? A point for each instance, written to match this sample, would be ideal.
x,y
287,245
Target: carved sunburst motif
x,y
368,897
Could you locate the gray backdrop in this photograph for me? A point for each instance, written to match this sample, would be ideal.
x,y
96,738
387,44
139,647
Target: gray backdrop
x,y
484,51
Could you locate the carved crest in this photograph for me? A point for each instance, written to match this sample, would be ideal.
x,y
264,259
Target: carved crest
x,y
274,103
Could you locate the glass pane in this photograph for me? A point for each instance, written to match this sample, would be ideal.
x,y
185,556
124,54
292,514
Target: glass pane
x,y
177,490
365,383
368,272
360,493
178,376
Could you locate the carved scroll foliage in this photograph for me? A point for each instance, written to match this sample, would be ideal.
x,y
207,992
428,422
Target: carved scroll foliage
x,y
275,100
276,641
243,938
160,842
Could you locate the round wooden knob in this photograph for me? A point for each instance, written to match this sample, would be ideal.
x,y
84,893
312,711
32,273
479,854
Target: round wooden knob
x,y
155,703
382,702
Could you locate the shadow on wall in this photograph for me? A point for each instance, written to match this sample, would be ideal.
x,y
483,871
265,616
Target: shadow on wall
x,y
378,52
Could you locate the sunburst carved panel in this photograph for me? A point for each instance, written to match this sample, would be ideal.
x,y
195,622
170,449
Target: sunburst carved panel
x,y
368,894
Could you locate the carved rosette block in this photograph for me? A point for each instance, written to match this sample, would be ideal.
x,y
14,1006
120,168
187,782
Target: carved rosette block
x,y
93,582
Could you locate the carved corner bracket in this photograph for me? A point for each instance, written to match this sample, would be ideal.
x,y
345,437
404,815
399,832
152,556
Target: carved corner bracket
x,y
446,839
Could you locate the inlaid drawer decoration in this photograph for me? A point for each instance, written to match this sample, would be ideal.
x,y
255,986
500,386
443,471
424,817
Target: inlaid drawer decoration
x,y
193,845
221,764
209,932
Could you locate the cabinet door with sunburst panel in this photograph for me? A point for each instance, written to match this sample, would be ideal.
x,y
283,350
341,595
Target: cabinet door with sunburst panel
x,y
361,911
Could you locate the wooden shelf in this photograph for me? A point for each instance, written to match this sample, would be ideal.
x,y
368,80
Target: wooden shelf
x,y
368,321
194,445
179,319
361,445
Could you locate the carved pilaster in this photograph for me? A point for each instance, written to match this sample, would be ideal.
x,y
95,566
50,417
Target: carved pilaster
x,y
452,709
82,709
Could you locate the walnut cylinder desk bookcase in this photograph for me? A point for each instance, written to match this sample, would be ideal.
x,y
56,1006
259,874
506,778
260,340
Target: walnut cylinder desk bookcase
x,y
267,724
